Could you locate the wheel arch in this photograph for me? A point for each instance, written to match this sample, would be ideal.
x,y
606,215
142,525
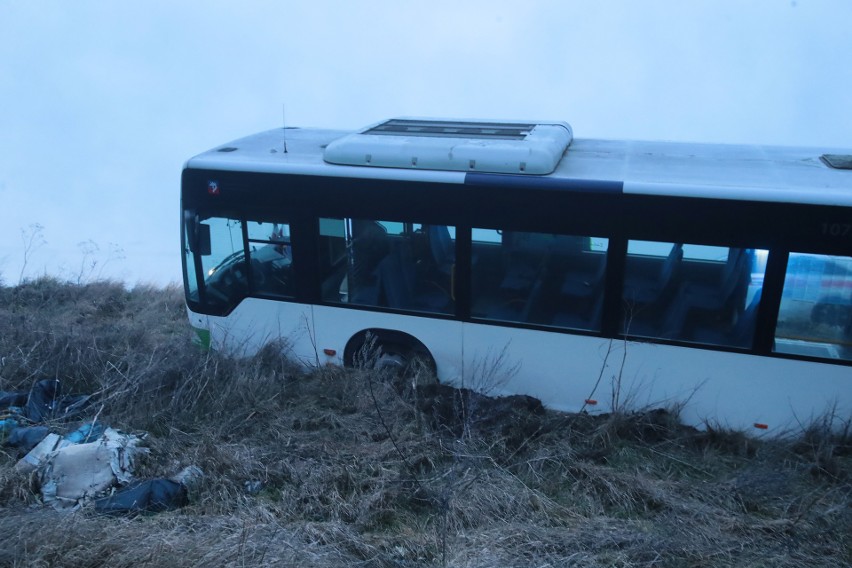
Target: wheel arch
x,y
387,337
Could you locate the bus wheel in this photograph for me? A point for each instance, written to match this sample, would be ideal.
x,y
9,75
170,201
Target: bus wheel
x,y
395,361
405,362
405,369
397,353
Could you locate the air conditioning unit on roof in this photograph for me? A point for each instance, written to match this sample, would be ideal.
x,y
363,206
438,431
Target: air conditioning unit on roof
x,y
510,147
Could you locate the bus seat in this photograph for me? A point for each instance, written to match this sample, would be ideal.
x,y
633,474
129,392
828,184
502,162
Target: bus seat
x,y
667,325
519,309
443,251
524,260
722,293
640,289
365,294
401,290
741,334
584,284
675,318
370,244
577,320
394,283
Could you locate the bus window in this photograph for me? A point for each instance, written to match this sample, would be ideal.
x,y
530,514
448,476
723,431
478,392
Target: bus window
x,y
406,266
540,278
690,292
224,269
815,317
271,258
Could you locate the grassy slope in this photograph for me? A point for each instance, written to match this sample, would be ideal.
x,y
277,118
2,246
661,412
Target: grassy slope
x,y
353,471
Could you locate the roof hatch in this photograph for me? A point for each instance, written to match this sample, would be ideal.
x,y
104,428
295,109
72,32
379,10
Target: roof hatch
x,y
514,147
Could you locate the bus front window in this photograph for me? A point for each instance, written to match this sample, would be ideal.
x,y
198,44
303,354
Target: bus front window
x,y
224,269
271,258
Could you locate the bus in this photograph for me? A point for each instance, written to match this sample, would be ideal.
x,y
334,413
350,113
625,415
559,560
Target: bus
x,y
512,258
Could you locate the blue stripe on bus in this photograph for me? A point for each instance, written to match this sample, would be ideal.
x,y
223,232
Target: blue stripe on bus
x,y
540,182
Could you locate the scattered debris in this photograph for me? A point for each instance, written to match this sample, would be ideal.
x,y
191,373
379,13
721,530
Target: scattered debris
x,y
77,472
44,401
152,495
21,411
86,463
25,438
84,434
36,457
148,496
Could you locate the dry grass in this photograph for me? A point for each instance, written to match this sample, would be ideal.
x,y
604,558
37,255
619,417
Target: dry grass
x,y
343,468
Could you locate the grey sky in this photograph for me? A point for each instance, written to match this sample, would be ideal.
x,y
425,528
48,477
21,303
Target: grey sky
x,y
102,102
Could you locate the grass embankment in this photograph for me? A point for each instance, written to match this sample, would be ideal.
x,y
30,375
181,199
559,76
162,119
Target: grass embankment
x,y
337,468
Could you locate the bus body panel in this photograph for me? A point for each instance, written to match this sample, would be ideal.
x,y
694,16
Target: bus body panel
x,y
200,324
546,365
568,372
737,390
575,372
442,337
256,322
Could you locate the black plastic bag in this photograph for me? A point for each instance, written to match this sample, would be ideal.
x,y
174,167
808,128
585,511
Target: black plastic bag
x,y
26,438
149,496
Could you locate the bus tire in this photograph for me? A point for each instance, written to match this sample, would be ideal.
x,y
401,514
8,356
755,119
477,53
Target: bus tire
x,y
395,351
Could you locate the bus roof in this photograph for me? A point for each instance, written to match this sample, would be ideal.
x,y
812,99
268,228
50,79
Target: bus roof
x,y
719,171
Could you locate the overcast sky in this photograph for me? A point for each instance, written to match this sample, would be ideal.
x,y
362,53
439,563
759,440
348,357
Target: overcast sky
x,y
101,102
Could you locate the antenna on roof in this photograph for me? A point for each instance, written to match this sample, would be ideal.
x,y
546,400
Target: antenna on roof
x,y
284,118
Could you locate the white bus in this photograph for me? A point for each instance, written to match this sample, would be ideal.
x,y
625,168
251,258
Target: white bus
x,y
595,275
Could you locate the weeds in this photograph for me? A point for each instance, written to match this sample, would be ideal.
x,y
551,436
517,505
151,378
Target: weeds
x,y
33,239
337,467
827,442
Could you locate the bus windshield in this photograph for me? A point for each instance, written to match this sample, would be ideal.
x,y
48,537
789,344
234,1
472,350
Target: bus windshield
x,y
239,262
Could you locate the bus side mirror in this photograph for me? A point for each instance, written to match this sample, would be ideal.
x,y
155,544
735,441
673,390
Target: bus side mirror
x,y
201,243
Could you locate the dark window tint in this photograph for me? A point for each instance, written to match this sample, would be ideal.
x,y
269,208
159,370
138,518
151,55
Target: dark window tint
x,y
689,292
405,266
539,278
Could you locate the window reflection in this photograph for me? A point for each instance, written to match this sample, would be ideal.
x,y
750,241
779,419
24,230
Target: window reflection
x,y
815,317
